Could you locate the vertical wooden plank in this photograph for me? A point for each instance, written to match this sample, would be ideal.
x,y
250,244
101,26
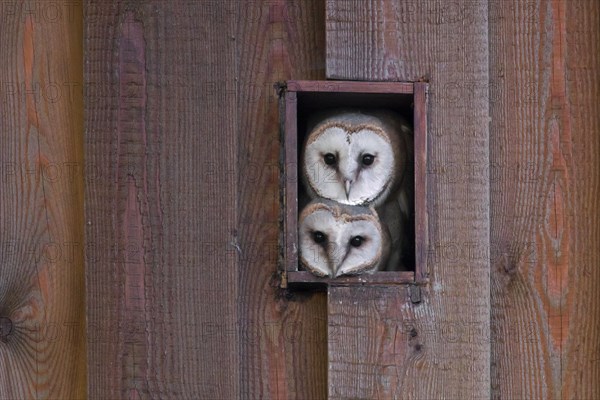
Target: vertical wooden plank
x,y
580,319
420,170
283,343
449,356
290,185
545,159
42,313
161,203
371,339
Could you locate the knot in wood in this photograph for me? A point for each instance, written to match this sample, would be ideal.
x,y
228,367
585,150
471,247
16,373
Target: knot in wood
x,y
6,328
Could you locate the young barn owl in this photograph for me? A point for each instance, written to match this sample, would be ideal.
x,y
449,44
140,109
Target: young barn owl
x,y
360,158
337,239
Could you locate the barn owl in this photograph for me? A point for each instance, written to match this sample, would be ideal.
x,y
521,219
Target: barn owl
x,y
337,239
360,158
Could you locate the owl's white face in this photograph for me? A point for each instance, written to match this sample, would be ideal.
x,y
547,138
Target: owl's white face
x,y
350,161
335,241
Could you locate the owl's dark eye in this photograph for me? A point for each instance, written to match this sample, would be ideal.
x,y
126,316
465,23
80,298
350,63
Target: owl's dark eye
x,y
368,159
329,159
319,237
357,241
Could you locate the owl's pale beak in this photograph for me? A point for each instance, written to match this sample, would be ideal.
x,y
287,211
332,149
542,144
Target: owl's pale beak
x,y
347,184
337,255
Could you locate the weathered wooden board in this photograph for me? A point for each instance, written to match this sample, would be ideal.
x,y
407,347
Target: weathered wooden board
x,y
545,174
385,346
373,343
284,340
182,133
42,313
161,217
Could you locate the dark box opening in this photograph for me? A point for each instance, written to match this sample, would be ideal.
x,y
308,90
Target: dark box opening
x,y
302,99
309,103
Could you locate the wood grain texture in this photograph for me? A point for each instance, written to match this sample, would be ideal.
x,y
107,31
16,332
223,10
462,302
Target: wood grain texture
x,y
352,87
421,222
409,41
42,313
289,187
284,343
161,212
545,164
378,279
182,132
371,342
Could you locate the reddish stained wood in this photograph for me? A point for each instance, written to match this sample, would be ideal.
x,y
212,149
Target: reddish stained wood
x,y
384,40
42,313
283,350
130,230
161,213
290,196
381,278
557,234
206,231
421,196
545,65
580,147
376,42
372,330
347,86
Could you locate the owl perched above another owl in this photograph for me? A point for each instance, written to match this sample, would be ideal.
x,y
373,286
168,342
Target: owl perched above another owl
x,y
356,157
360,157
337,239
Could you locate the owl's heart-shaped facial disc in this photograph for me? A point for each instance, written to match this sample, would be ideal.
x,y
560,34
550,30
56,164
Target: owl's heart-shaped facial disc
x,y
355,158
337,239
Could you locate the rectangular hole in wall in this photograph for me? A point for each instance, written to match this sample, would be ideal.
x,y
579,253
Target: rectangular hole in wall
x,y
300,100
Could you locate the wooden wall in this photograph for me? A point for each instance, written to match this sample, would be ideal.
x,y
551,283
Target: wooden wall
x,y
182,130
390,347
181,212
42,298
545,158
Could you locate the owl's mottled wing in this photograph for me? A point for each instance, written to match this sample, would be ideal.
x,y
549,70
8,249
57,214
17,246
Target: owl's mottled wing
x,y
397,212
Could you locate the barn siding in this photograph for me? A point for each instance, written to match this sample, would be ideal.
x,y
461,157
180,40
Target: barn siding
x,y
385,346
545,159
160,211
180,247
284,342
182,127
42,312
